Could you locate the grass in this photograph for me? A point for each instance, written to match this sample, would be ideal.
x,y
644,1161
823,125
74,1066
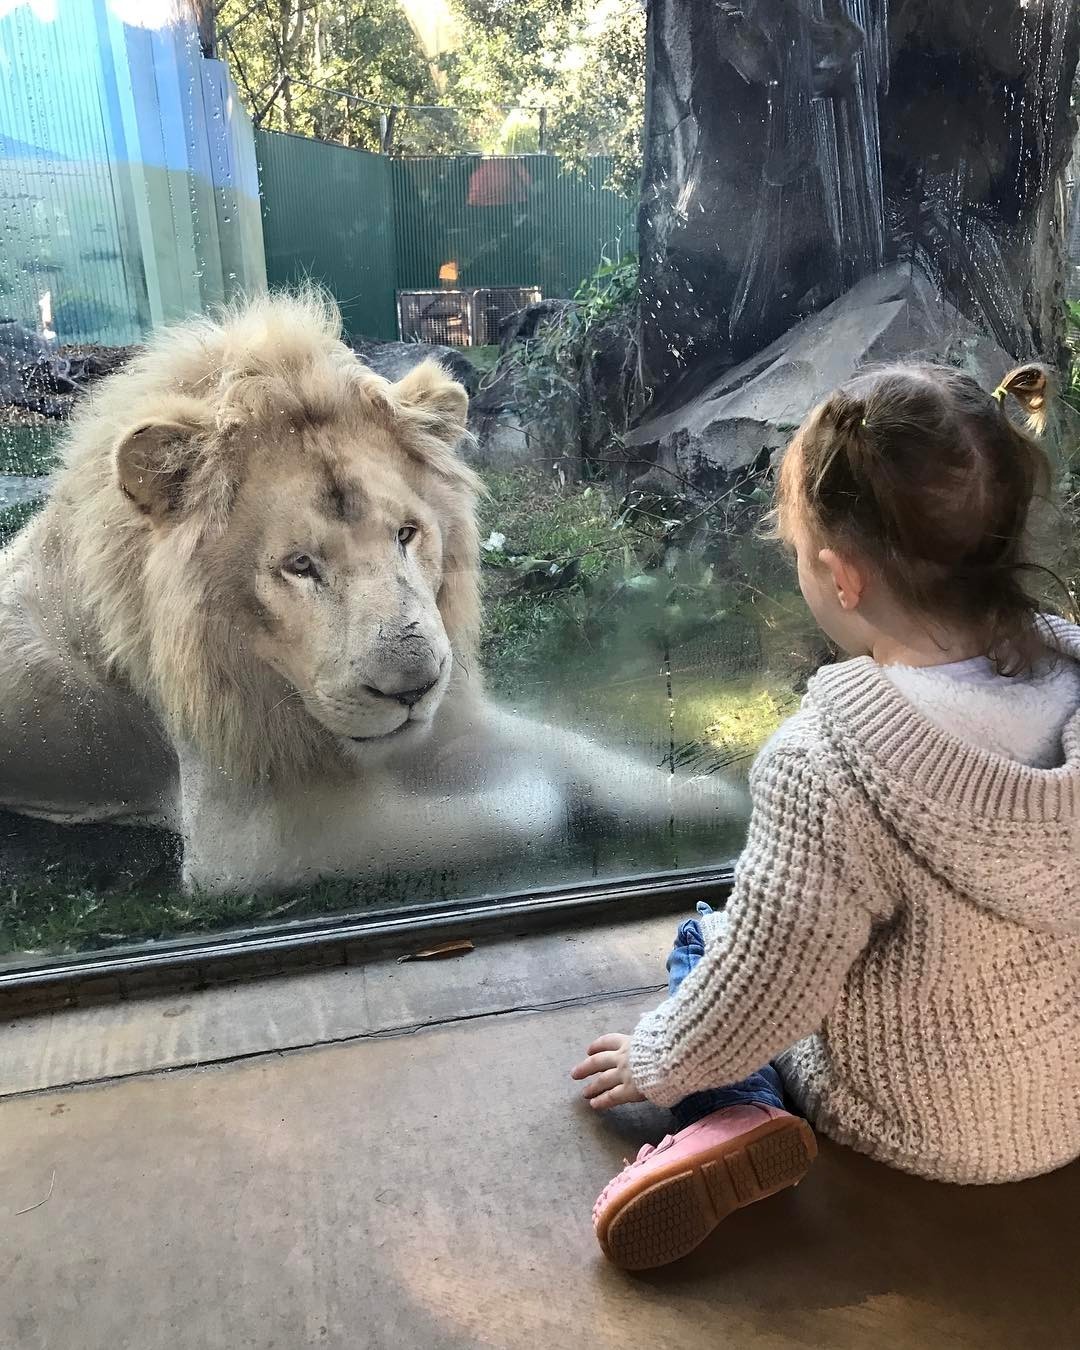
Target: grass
x,y
13,518
531,625
28,449
87,888
106,887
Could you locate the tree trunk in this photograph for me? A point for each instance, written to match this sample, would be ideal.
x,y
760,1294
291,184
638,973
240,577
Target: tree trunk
x,y
793,147
288,45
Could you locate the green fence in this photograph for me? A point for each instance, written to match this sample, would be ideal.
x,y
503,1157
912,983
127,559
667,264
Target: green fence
x,y
367,226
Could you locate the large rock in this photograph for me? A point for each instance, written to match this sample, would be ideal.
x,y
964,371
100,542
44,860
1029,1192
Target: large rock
x,y
557,412
518,422
22,355
395,359
793,147
755,406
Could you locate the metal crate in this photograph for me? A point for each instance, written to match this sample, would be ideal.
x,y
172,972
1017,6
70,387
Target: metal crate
x,y
493,305
460,318
443,317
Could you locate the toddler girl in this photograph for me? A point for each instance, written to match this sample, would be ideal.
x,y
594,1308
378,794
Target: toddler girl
x,y
903,938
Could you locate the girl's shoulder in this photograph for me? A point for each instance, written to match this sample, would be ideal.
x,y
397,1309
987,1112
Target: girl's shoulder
x,y
804,732
801,743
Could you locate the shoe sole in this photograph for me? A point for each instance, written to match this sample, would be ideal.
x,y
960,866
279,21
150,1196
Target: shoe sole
x,y
671,1212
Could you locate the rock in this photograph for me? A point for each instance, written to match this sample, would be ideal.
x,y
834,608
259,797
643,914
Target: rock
x,y
395,359
755,406
790,152
499,440
21,352
557,411
526,416
516,433
524,325
609,387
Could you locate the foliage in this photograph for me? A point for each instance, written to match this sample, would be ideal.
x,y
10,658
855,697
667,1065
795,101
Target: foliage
x,y
602,104
594,587
1071,392
609,292
365,47
614,578
551,373
581,61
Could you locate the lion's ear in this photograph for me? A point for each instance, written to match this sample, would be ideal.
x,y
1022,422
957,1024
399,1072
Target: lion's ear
x,y
153,460
429,392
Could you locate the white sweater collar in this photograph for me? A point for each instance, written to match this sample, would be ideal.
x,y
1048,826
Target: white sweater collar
x,y
1020,718
871,722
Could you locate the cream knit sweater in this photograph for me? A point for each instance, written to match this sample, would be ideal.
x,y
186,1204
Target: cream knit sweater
x,y
903,938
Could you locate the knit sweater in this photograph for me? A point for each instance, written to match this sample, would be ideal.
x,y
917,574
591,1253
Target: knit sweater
x,y
903,938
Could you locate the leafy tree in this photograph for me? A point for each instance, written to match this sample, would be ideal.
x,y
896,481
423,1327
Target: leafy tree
x,y
572,67
601,104
286,53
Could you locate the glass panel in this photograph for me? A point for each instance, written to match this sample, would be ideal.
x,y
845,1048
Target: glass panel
x,y
292,629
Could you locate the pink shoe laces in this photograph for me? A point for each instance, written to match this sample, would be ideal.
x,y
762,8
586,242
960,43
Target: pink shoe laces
x,y
645,1152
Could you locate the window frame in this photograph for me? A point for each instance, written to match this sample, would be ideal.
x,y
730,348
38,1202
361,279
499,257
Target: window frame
x,y
250,953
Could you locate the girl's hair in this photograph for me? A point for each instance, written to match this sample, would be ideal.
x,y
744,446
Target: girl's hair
x,y
920,472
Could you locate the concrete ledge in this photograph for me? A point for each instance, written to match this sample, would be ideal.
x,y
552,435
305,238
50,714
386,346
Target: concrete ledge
x,y
116,1040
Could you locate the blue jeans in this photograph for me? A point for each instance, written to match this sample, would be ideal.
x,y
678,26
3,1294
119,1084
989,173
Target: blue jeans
x,y
763,1088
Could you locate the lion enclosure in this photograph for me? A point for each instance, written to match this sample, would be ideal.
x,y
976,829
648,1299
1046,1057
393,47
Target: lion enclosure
x,y
445,584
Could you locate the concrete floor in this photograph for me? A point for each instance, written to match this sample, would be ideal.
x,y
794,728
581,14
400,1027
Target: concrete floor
x,y
421,1175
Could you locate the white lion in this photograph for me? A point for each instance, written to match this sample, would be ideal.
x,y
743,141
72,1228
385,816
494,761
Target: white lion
x,y
249,612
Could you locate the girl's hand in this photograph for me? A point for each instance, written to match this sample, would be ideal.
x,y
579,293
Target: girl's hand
x,y
608,1069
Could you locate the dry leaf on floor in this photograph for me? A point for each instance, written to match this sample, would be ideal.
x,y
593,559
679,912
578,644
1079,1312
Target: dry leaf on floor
x,y
456,948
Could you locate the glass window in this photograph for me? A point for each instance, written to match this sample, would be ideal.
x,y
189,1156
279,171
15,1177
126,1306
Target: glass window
x,y
473,600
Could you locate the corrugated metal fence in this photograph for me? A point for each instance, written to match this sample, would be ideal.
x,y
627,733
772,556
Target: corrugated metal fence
x,y
128,190
367,226
328,214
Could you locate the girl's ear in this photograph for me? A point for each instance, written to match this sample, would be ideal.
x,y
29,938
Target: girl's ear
x,y
848,578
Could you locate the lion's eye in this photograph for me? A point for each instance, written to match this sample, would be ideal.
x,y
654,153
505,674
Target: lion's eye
x,y
407,534
300,565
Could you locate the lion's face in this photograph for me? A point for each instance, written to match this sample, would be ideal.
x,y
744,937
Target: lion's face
x,y
343,553
343,558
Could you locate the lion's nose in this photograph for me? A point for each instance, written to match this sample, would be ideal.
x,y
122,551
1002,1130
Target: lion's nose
x,y
406,696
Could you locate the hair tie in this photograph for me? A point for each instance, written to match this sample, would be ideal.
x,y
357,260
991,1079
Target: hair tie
x,y
1000,393
864,423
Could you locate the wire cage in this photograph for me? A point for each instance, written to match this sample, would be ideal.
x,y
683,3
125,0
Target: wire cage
x,y
461,318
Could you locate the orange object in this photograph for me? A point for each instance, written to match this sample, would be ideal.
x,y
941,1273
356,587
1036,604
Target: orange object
x,y
499,182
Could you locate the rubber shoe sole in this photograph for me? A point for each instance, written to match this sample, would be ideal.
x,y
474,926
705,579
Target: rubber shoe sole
x,y
676,1209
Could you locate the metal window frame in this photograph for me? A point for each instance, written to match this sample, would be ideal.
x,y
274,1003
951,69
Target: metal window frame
x,y
247,953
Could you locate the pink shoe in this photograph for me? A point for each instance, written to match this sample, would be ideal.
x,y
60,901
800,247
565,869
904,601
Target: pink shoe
x,y
673,1195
